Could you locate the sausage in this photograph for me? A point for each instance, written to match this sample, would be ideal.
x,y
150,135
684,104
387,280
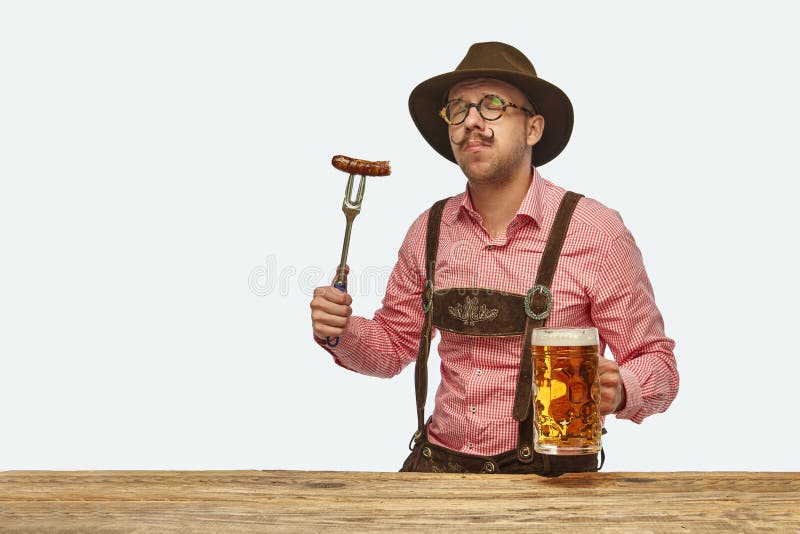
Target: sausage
x,y
361,166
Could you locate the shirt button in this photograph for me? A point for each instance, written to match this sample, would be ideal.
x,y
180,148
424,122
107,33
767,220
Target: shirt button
x,y
469,444
479,372
473,409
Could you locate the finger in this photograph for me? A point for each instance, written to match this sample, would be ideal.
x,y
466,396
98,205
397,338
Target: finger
x,y
333,295
320,318
610,388
330,326
605,365
607,400
323,305
324,332
342,297
346,269
610,379
346,272
337,295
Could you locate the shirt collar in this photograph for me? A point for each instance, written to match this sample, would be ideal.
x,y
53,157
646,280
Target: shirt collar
x,y
530,207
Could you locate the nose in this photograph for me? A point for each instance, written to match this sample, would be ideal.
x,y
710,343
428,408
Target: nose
x,y
474,119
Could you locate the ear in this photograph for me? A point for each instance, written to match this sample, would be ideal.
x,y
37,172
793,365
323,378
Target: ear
x,y
535,130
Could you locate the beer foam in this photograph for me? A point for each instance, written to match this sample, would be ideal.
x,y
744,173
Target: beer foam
x,y
572,337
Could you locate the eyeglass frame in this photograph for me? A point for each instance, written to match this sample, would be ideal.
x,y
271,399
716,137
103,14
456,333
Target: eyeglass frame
x,y
477,105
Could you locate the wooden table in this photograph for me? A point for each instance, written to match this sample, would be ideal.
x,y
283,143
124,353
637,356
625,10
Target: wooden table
x,y
244,501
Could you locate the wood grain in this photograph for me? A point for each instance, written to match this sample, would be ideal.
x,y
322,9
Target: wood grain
x,y
247,501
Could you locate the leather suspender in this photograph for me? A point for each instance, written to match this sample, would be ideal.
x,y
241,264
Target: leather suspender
x,y
421,368
537,308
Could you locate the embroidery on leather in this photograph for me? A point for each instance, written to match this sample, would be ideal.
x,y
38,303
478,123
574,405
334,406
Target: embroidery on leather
x,y
471,313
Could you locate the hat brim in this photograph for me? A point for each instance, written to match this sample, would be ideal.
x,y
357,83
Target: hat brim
x,y
428,97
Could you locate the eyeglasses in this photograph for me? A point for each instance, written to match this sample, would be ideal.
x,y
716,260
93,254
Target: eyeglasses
x,y
491,108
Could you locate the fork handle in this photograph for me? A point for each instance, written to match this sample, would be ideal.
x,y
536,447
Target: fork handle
x,y
341,277
332,342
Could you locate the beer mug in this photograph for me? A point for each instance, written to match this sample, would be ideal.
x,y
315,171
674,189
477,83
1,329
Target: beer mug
x,y
566,389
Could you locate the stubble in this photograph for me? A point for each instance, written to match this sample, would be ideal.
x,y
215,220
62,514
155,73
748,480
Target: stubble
x,y
498,171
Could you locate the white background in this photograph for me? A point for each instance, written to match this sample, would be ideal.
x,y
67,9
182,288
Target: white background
x,y
167,204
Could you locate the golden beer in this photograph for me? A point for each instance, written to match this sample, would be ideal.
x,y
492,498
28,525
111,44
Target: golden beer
x,y
566,389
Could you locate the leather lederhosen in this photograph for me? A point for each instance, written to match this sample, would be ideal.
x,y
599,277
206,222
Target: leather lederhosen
x,y
491,313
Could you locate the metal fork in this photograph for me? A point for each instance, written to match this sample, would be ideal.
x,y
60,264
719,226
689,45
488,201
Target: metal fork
x,y
351,208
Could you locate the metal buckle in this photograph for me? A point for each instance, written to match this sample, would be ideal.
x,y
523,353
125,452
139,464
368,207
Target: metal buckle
x,y
539,288
427,302
414,439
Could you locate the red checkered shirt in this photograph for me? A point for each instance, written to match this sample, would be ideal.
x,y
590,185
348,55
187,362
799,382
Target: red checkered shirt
x,y
600,281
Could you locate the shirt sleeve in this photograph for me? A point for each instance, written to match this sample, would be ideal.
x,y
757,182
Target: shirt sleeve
x,y
384,345
624,310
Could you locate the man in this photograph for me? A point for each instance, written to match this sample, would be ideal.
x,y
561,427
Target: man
x,y
499,121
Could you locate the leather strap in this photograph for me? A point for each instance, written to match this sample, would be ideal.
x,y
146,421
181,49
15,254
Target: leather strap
x,y
523,397
421,368
544,278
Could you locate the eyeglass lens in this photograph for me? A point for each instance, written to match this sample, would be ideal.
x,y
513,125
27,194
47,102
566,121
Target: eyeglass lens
x,y
490,108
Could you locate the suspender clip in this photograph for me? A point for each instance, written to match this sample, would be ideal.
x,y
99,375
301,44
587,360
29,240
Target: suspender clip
x,y
427,296
538,289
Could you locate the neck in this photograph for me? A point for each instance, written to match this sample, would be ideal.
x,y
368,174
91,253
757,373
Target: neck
x,y
497,203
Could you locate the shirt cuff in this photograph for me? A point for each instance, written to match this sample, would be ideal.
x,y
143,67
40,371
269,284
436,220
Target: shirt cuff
x,y
340,352
633,394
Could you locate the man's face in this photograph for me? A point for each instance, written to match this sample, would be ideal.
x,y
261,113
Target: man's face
x,y
490,152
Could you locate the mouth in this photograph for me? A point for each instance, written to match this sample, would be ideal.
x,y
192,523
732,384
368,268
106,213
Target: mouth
x,y
475,145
